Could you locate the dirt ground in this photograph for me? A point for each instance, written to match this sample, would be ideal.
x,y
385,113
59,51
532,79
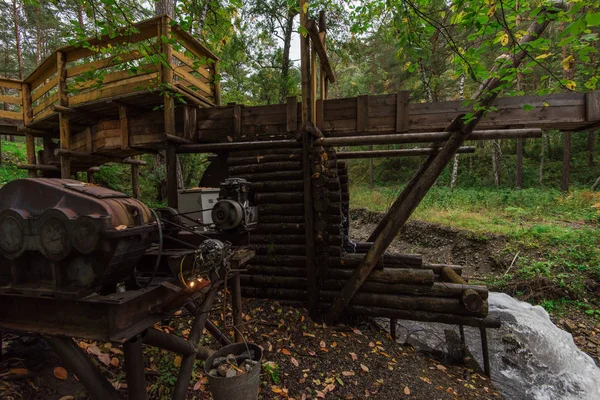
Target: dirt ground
x,y
301,360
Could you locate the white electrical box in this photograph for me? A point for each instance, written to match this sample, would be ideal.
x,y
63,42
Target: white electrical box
x,y
197,204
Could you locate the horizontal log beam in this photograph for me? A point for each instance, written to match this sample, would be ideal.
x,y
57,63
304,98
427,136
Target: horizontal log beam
x,y
400,138
347,155
39,167
237,146
97,158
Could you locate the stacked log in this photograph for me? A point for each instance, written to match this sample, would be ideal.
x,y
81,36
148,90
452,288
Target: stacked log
x,y
401,285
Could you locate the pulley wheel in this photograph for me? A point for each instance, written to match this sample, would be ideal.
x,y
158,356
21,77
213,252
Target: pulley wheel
x,y
227,214
12,234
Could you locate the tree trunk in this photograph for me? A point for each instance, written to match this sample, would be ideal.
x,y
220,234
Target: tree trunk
x,y
461,96
18,38
496,159
165,7
542,155
566,172
285,65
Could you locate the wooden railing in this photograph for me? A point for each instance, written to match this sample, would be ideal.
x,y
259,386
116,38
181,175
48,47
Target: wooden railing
x,y
11,102
149,56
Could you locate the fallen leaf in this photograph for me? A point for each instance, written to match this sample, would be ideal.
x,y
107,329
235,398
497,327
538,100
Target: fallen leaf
x,y
18,371
294,361
286,352
67,398
329,388
320,394
307,334
83,345
116,351
93,349
425,379
334,344
177,361
348,373
104,359
198,386
371,344
61,373
364,367
312,353
114,362
120,227
354,357
406,390
323,344
276,389
441,367
356,331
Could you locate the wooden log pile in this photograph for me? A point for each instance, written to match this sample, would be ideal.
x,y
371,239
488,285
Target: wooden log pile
x,y
400,286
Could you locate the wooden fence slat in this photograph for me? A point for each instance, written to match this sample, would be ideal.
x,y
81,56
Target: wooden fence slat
x,y
402,110
112,61
43,89
203,87
11,99
11,114
145,82
203,69
47,102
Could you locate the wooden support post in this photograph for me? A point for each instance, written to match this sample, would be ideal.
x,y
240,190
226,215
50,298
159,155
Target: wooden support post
x,y
313,84
169,114
309,229
26,103
91,174
394,329
30,150
190,122
124,127
89,141
590,148
305,64
313,33
324,82
566,165
63,118
485,351
217,83
135,181
519,172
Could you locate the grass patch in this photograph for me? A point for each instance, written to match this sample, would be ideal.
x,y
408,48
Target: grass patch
x,y
557,235
12,154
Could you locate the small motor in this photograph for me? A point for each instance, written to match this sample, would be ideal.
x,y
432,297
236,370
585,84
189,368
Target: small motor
x,y
233,210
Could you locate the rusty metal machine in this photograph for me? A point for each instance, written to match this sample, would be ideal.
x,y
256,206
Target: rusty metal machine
x,y
67,238
78,260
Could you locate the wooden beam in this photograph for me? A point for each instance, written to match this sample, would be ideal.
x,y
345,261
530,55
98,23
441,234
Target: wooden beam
x,y
169,113
305,64
362,114
100,159
324,83
39,167
427,137
190,122
124,127
30,150
63,118
347,155
172,195
26,103
313,32
313,84
237,146
309,226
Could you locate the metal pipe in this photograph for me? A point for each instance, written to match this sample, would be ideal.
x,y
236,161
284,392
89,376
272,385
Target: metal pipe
x,y
79,363
175,344
346,155
134,369
217,334
400,138
185,371
236,292
235,146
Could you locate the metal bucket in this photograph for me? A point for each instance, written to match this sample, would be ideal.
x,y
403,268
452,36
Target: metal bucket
x,y
240,387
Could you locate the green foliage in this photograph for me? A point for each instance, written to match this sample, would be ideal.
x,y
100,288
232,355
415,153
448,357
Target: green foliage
x,y
13,153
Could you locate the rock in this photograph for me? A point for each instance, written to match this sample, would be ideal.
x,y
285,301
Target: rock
x,y
231,373
223,369
510,339
214,373
219,360
569,326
